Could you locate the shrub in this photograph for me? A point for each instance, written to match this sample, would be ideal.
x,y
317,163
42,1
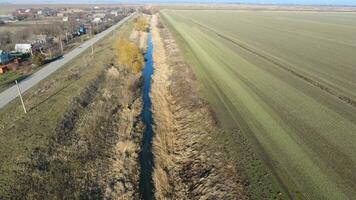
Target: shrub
x,y
160,25
38,59
141,24
129,55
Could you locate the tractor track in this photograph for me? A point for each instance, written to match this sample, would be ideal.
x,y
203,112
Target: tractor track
x,y
326,89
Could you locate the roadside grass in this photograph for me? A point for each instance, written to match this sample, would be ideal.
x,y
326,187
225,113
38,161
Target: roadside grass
x,y
298,130
47,102
8,79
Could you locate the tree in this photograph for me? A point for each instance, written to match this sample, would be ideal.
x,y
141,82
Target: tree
x,y
22,36
38,59
129,55
6,41
146,11
141,24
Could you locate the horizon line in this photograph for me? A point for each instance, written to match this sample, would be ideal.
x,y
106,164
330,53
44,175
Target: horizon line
x,y
170,2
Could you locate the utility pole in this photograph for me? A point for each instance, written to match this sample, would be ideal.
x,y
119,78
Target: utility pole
x,y
66,37
92,43
18,89
60,40
50,52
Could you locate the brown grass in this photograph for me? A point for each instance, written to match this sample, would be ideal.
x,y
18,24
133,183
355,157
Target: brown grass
x,y
186,166
140,36
113,73
162,183
93,152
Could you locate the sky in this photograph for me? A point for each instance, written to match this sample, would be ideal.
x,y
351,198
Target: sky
x,y
309,2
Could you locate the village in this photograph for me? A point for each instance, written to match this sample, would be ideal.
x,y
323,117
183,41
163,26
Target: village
x,y
33,37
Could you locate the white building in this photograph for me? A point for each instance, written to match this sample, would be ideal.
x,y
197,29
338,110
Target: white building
x,y
99,15
7,18
97,20
115,13
23,48
39,39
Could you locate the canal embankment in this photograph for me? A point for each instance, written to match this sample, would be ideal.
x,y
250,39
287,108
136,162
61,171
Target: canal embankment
x,y
186,164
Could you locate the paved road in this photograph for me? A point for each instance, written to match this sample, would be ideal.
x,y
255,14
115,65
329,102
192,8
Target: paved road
x,y
11,93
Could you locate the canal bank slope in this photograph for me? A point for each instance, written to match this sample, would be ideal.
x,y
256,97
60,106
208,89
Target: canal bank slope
x,y
186,165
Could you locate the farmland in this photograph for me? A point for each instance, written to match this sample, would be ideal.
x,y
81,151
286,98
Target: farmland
x,y
286,80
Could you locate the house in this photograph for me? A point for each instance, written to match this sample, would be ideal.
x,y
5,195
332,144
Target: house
x,y
99,15
49,12
39,39
60,14
40,12
4,57
7,18
65,19
74,10
115,13
97,20
23,48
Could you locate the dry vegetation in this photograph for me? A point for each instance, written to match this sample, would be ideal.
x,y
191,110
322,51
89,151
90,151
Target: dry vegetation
x,y
186,167
140,32
141,24
93,153
129,55
86,149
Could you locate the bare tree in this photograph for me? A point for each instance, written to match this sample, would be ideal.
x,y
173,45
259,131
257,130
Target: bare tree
x,y
6,40
23,35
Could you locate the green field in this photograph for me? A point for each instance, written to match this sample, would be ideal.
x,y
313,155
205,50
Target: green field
x,y
288,81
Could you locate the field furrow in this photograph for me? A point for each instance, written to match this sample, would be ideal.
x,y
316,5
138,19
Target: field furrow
x,y
284,91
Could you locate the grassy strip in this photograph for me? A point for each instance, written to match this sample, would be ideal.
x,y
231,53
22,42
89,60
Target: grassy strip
x,y
80,160
47,173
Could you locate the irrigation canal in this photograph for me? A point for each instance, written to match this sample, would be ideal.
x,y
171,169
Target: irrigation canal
x,y
146,157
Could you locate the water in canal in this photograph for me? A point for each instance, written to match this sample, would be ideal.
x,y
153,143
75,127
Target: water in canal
x,y
146,158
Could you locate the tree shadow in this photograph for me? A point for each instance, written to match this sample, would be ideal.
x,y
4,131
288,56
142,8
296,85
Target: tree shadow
x,y
53,59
